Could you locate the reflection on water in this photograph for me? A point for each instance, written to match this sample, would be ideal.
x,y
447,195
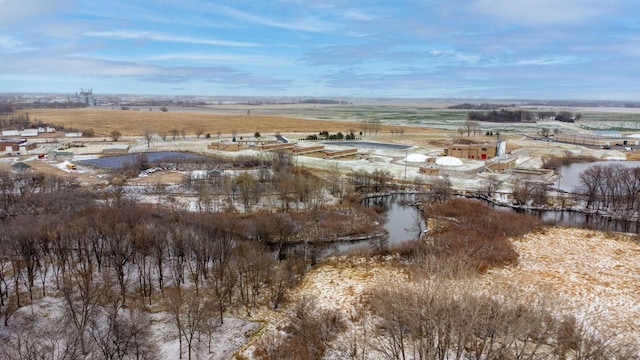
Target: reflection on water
x,y
570,174
587,221
580,220
403,221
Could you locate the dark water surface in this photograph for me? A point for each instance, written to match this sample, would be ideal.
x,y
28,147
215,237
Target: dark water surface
x,y
120,161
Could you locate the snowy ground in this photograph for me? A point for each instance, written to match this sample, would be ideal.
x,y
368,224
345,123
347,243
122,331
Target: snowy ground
x,y
48,312
593,275
229,338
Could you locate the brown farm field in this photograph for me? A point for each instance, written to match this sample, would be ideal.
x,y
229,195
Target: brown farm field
x,y
132,123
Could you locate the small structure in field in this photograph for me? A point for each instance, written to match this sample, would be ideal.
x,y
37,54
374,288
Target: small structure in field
x,y
449,161
73,134
20,166
340,153
116,149
225,146
278,146
429,170
10,132
60,155
416,158
307,150
500,164
29,132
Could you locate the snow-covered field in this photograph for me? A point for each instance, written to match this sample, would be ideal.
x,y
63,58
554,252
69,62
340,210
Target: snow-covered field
x,y
595,275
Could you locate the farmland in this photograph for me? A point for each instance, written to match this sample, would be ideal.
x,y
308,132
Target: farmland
x,y
133,123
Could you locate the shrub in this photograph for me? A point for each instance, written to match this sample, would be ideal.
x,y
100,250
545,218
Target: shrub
x,y
478,232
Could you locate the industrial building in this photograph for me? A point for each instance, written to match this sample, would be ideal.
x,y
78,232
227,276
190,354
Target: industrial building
x,y
16,145
472,151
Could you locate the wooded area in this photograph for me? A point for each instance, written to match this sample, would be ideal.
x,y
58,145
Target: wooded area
x,y
516,116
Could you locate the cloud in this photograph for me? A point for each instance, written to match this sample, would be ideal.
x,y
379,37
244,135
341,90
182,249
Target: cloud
x,y
104,68
16,11
222,75
167,79
541,12
9,44
550,61
303,23
153,36
55,64
211,57
486,47
346,54
238,80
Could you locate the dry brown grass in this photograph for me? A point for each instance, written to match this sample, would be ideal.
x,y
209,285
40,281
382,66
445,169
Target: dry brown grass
x,y
131,123
633,155
588,271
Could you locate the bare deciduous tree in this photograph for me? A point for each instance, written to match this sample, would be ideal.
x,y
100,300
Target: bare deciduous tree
x,y
199,132
175,133
148,136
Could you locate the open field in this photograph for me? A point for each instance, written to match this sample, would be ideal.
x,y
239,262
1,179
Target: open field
x,y
306,118
132,123
590,273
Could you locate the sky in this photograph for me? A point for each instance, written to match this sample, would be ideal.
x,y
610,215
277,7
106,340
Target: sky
x,y
486,49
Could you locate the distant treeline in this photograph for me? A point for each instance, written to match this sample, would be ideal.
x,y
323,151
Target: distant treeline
x,y
323,101
23,121
522,116
6,107
484,106
565,103
47,105
155,102
17,121
574,103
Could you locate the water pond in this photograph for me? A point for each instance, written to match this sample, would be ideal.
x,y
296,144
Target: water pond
x,y
120,161
403,222
570,174
583,220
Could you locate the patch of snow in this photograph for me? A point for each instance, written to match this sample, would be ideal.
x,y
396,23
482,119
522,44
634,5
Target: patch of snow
x,y
63,166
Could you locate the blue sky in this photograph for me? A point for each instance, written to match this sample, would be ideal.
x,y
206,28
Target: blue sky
x,y
516,49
